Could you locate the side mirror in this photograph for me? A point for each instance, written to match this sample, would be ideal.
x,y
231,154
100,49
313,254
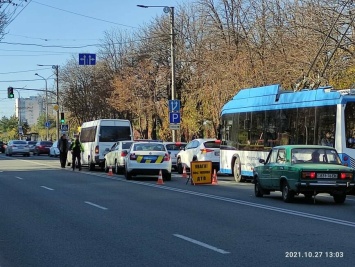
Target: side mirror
x,y
262,161
107,149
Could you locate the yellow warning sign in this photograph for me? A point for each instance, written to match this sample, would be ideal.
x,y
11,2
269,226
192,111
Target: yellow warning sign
x,y
201,172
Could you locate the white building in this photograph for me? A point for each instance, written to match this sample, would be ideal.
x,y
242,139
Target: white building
x,y
29,109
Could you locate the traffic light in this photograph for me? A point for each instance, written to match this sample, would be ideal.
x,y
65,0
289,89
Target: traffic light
x,y
10,92
62,120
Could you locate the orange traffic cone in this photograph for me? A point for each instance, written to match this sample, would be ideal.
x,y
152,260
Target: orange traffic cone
x,y
184,174
214,178
110,171
160,178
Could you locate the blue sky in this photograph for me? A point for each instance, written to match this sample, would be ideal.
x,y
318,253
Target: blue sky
x,y
68,23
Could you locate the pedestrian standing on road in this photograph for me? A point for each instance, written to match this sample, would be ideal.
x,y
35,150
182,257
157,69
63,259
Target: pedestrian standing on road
x,y
63,146
76,149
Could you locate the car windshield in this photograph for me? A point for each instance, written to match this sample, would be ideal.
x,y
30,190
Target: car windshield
x,y
315,155
212,144
20,142
174,146
126,145
149,147
46,143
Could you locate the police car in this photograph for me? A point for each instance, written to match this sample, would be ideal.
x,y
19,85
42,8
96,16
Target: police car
x,y
148,159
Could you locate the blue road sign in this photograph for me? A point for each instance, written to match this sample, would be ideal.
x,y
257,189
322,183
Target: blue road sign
x,y
47,124
64,127
174,117
87,59
174,105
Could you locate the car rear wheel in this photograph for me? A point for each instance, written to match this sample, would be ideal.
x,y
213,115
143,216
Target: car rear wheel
x,y
128,175
117,171
257,189
339,198
167,177
179,166
287,194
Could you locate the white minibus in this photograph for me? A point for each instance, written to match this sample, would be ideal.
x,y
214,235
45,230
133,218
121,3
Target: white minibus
x,y
98,135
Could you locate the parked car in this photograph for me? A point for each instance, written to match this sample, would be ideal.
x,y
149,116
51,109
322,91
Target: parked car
x,y
42,147
173,149
115,156
17,147
54,150
199,150
303,169
148,158
31,145
2,147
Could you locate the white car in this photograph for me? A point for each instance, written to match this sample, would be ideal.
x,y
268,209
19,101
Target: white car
x,y
116,155
54,150
199,150
148,158
173,149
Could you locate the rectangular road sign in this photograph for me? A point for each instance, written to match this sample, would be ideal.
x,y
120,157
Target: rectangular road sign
x,y
174,105
87,59
174,126
201,172
64,127
174,117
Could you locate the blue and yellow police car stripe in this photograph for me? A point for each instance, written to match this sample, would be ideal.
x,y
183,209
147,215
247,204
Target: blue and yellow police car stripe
x,y
141,159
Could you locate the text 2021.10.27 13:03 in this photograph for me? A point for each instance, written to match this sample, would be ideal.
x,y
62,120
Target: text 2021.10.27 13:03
x,y
315,254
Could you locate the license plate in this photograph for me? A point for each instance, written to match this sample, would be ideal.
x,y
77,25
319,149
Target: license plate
x,y
216,153
149,157
327,175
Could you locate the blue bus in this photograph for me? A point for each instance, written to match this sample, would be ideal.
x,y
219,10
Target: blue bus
x,y
256,119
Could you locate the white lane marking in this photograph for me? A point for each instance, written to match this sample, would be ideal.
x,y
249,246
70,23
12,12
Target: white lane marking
x,y
95,205
48,188
18,177
202,244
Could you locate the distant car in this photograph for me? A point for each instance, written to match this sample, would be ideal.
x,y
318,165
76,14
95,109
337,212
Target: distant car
x,y
115,156
42,147
199,150
31,145
17,147
2,147
148,158
54,150
303,169
173,149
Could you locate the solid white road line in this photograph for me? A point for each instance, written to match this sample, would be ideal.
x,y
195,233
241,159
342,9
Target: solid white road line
x,y
202,244
95,205
48,188
18,177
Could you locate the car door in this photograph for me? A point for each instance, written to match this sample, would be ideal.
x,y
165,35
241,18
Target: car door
x,y
265,177
278,169
110,156
185,154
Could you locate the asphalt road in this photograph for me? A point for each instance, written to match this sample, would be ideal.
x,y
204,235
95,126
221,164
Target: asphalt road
x,y
56,217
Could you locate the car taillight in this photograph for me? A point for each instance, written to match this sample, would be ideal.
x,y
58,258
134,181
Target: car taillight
x,y
308,175
123,153
166,157
132,156
206,150
346,175
97,150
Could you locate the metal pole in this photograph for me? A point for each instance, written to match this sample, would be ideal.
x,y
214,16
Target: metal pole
x,y
47,110
57,101
172,60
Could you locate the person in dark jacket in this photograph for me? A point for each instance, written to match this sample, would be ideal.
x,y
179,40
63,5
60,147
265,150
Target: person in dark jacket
x,y
63,146
76,149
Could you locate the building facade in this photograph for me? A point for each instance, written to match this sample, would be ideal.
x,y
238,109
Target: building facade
x,y
30,109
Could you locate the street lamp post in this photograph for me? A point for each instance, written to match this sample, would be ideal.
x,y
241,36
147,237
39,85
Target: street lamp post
x,y
47,127
170,10
56,68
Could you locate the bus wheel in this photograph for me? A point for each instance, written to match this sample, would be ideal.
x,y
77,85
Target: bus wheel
x,y
236,170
